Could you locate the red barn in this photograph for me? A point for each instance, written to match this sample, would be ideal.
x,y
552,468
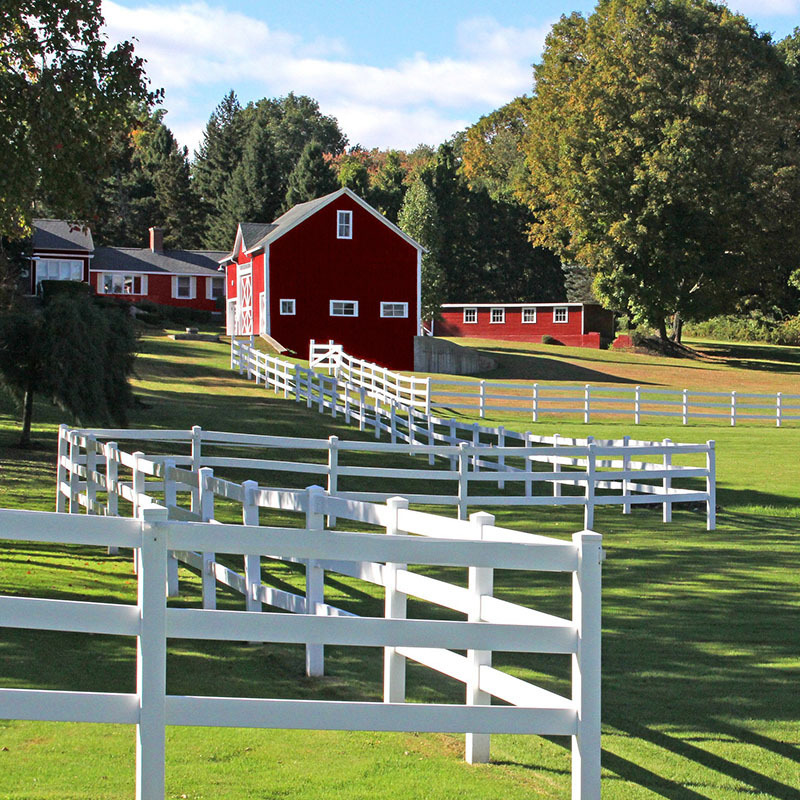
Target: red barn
x,y
332,268
576,324
184,278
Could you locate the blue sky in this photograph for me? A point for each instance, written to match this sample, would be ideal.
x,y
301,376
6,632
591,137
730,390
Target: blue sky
x,y
394,74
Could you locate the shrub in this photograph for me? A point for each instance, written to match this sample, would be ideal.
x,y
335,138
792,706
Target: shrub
x,y
753,327
548,339
787,333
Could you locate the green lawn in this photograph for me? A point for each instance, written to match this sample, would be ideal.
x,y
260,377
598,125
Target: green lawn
x,y
701,642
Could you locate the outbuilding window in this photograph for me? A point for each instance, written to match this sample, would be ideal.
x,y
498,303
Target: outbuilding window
x,y
120,283
470,315
215,288
560,314
394,309
344,224
498,316
344,308
287,308
529,315
51,269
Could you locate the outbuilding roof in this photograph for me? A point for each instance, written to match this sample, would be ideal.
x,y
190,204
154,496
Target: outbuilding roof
x,y
176,262
60,235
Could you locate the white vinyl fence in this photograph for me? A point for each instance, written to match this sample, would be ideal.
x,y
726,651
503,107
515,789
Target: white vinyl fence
x,y
165,531
621,472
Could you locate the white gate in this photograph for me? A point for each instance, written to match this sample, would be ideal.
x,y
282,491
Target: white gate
x,y
244,304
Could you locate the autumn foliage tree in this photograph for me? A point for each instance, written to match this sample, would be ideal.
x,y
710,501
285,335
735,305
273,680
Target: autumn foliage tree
x,y
663,155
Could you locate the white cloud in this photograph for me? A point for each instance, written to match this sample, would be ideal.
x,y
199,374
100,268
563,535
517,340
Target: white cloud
x,y
765,8
199,49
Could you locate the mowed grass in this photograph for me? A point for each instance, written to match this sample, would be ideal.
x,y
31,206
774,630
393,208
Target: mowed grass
x,y
701,645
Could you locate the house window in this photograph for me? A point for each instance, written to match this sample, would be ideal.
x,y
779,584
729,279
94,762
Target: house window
x,y
344,308
498,315
470,315
215,288
394,309
51,269
183,286
344,224
288,307
560,314
120,283
529,315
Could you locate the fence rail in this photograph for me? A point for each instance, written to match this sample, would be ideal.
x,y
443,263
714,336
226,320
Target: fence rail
x,y
540,467
161,535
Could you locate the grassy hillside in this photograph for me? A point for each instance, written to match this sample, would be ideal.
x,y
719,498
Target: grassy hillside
x,y
701,644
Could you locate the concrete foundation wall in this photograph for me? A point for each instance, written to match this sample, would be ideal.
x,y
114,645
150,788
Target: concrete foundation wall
x,y
437,355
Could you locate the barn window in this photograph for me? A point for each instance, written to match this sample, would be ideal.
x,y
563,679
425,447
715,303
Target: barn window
x,y
394,309
498,315
344,308
560,314
529,315
344,224
215,288
120,283
470,315
51,269
287,307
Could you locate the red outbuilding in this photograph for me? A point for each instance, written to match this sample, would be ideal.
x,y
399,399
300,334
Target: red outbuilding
x,y
575,324
182,278
332,268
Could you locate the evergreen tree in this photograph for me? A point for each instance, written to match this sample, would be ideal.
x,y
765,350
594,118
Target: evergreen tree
x,y
387,188
419,218
311,178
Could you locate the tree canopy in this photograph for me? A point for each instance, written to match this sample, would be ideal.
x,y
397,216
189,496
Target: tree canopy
x,y
663,155
311,178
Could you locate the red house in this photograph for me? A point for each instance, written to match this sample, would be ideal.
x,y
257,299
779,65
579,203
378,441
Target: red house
x,y
576,324
332,268
187,278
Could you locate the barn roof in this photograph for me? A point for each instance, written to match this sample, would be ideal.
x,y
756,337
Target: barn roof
x,y
254,232
60,235
176,262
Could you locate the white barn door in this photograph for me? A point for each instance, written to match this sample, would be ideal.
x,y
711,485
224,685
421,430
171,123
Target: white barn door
x,y
244,304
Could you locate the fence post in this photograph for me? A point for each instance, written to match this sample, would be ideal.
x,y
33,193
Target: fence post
x,y
297,393
333,473
528,465
393,422
591,473
711,486
61,470
170,499
587,396
463,479
501,459
482,400
637,405
74,506
362,408
556,467
321,405
395,603
252,561
476,442
431,439
206,509
480,583
778,409
451,440
347,389
586,583
112,490
626,465
197,462
428,396
666,509
91,467
535,403
685,409
315,583
733,408
137,484
151,658
378,412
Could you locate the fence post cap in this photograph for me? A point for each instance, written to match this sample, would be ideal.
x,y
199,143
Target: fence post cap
x,y
481,518
397,502
153,514
586,537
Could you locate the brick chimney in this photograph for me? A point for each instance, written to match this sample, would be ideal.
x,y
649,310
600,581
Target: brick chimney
x,y
157,240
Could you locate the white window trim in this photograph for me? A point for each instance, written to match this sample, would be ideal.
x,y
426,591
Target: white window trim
x,y
192,287
340,214
556,309
501,321
404,315
101,281
355,308
470,321
210,285
528,321
291,313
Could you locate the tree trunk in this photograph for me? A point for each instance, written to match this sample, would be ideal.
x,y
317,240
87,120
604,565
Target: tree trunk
x,y
27,415
662,330
677,327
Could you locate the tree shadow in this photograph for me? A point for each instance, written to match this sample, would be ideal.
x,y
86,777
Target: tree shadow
x,y
764,358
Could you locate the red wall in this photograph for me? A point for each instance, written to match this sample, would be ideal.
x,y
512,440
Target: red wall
x,y
513,329
159,290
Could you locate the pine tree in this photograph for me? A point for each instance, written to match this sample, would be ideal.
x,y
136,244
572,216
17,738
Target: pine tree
x,y
387,189
311,178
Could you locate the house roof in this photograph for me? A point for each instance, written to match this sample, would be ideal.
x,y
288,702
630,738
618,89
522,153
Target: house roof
x,y
58,234
176,262
294,216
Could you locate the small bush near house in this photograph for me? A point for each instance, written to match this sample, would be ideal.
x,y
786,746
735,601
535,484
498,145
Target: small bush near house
x,y
548,339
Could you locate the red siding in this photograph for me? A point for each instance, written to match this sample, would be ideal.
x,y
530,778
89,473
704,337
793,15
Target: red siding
x,y
159,290
570,332
310,265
